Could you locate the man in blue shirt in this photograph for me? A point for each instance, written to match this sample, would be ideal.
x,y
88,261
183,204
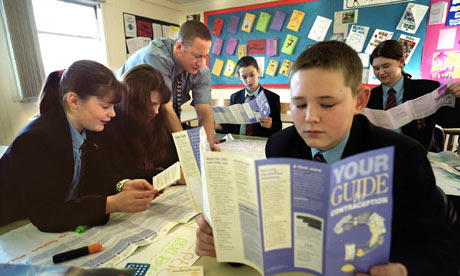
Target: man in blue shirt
x,y
181,63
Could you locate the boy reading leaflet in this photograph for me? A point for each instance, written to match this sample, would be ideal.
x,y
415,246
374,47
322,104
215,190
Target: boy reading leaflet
x,y
326,100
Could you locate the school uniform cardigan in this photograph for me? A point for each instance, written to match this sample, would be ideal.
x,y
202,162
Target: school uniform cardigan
x,y
37,170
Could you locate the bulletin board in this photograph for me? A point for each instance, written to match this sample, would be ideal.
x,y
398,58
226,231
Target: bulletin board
x,y
441,54
139,26
384,17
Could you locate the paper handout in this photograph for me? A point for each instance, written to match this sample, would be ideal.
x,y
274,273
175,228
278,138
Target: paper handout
x,y
246,113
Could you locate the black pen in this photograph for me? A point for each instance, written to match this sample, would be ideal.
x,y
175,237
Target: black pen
x,y
221,141
72,254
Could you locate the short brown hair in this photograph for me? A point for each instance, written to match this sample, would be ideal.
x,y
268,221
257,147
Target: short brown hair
x,y
192,29
333,55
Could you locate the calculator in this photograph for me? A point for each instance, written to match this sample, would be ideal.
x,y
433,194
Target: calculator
x,y
141,269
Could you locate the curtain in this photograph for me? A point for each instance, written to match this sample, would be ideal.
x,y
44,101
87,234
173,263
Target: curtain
x,y
24,46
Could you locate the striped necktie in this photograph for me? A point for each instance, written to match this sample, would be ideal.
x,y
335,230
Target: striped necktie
x,y
178,96
319,157
391,99
250,127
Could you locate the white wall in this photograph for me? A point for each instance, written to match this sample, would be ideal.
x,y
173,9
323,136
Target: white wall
x,y
13,114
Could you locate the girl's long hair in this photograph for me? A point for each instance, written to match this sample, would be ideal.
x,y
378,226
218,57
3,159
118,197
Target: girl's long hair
x,y
148,138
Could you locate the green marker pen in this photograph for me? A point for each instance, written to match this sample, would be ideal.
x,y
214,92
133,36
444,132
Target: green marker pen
x,y
82,228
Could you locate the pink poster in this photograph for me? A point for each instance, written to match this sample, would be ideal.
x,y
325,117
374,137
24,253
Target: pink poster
x,y
439,63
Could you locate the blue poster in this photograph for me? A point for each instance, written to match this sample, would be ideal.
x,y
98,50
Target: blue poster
x,y
453,15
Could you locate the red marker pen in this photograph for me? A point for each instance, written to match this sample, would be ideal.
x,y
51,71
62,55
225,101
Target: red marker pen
x,y
72,254
221,141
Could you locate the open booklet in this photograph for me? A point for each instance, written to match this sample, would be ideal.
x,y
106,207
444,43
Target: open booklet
x,y
291,215
246,113
415,109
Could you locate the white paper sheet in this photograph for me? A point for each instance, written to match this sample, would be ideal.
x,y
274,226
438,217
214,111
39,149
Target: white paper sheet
x,y
319,29
446,38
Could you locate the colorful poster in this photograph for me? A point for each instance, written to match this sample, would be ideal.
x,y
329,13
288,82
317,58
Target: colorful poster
x,y
278,21
242,51
130,25
272,67
445,65
144,28
289,44
295,21
218,24
217,47
408,43
377,38
248,22
217,68
231,46
453,16
262,23
411,18
256,47
229,68
233,24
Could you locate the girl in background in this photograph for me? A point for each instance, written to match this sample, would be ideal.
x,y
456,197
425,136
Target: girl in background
x,y
53,172
388,62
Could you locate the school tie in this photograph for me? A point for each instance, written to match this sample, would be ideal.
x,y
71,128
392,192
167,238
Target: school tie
x,y
452,213
250,127
178,97
319,157
391,99
84,149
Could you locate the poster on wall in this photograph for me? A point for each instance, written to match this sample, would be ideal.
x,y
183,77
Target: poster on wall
x,y
445,65
411,18
354,4
130,25
453,16
408,44
344,18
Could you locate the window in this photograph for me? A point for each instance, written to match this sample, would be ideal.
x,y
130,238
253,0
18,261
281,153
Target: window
x,y
68,31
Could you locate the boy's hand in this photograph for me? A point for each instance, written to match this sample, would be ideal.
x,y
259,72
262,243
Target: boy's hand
x,y
266,122
391,269
454,89
204,238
